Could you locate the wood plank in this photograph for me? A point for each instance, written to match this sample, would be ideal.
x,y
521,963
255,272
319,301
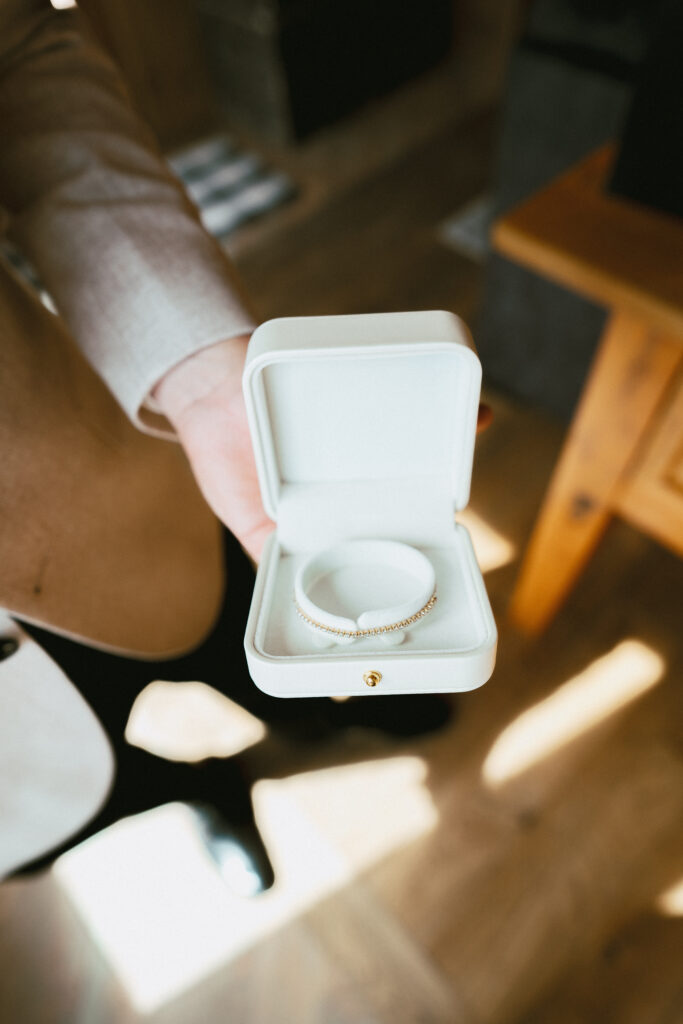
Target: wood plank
x,y
616,252
50,969
631,372
651,497
634,979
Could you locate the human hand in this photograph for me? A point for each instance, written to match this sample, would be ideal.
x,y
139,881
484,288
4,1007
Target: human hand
x,y
202,397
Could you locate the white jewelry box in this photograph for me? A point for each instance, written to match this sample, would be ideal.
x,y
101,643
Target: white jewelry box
x,y
363,427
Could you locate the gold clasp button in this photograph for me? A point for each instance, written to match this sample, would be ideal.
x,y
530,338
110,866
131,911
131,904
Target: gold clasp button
x,y
372,678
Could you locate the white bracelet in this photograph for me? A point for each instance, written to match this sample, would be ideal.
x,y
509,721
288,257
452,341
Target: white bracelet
x,y
386,623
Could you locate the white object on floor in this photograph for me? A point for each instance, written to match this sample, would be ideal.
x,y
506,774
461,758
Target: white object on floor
x,y
229,185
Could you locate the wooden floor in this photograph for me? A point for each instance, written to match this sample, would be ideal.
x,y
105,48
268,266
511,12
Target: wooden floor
x,y
519,867
469,878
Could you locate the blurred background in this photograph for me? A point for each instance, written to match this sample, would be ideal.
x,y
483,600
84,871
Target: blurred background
x,y
525,864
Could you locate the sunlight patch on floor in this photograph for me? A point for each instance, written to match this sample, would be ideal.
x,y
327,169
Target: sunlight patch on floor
x,y
157,909
368,808
493,549
602,689
190,721
670,902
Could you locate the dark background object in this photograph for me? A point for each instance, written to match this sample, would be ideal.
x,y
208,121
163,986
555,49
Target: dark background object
x,y
568,87
285,68
649,167
158,48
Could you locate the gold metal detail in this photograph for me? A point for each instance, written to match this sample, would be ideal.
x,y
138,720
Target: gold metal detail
x,y
372,678
355,634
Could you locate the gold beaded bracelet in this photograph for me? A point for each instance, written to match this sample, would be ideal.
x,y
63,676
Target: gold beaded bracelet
x,y
355,634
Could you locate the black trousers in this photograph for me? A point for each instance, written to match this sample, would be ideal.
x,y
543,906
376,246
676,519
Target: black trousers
x,y
110,684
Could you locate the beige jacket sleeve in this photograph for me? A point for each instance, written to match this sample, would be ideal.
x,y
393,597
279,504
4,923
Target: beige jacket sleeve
x,y
118,244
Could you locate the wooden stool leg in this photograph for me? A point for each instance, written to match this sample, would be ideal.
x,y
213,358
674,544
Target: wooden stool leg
x,y
631,371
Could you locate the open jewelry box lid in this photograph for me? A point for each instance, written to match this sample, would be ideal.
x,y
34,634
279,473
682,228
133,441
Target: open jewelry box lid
x,y
364,427
361,424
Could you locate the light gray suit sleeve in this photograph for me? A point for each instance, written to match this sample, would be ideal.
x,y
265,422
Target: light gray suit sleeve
x,y
139,282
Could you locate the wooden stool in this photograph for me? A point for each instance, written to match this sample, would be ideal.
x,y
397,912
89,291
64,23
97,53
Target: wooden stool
x,y
624,450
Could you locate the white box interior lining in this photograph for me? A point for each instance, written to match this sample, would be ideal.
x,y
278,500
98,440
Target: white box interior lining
x,y
358,415
456,624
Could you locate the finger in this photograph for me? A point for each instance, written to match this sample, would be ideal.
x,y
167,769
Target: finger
x,y
254,541
484,417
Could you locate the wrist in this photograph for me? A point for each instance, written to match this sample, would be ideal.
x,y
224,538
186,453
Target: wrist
x,y
195,378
